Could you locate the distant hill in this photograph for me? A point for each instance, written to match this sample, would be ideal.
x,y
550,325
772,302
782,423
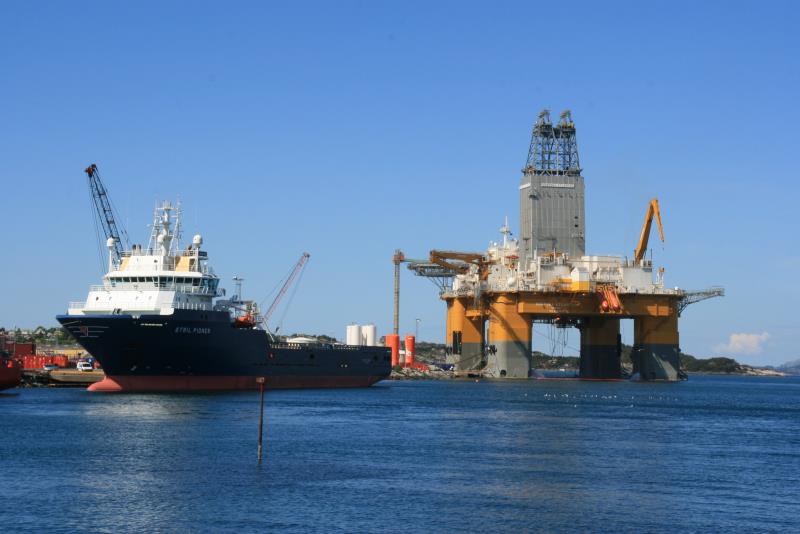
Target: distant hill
x,y
434,352
792,368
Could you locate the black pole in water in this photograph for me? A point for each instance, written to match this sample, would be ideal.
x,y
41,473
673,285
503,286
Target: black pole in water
x,y
260,381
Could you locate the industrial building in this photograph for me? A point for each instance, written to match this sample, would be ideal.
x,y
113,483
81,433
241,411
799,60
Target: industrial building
x,y
494,297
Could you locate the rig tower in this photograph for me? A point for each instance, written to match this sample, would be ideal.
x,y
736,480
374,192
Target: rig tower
x,y
551,192
494,297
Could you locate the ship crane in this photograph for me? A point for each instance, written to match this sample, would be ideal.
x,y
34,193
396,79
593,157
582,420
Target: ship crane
x,y
652,211
105,214
292,276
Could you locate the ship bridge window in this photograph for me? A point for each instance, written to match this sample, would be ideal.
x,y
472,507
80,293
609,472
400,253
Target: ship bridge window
x,y
196,282
150,279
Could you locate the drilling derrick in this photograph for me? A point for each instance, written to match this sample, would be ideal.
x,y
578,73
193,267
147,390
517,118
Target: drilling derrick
x,y
552,192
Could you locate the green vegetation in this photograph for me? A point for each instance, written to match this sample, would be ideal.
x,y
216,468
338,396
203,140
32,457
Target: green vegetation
x,y
711,365
429,352
54,336
435,352
545,361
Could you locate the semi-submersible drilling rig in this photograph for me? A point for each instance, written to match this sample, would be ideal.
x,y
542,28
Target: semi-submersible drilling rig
x,y
493,298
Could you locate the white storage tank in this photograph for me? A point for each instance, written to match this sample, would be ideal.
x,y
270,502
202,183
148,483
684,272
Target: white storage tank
x,y
369,335
353,334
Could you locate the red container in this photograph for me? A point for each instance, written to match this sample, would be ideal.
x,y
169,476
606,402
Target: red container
x,y
410,351
22,349
393,342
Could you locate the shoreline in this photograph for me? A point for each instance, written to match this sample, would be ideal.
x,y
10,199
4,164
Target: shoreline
x,y
416,374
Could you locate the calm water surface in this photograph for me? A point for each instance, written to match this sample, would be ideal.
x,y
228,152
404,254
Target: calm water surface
x,y
710,454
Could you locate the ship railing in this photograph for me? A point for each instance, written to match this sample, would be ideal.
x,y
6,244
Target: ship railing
x,y
193,253
318,344
180,253
190,306
76,305
148,286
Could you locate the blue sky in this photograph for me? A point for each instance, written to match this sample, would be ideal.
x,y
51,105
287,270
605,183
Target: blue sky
x,y
349,129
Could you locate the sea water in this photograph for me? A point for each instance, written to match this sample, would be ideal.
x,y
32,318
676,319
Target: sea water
x,y
711,454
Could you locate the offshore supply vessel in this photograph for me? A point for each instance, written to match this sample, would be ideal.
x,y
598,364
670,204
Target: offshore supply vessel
x,y
157,323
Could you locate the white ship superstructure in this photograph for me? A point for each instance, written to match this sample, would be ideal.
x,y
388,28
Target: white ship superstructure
x,y
156,280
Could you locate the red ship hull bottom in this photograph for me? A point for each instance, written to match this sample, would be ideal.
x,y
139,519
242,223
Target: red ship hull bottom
x,y
10,377
116,384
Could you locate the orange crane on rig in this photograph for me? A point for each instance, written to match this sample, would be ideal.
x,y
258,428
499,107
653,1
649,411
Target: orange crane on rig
x,y
652,211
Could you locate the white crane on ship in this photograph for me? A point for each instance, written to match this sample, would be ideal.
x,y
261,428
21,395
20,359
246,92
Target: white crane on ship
x,y
250,316
298,268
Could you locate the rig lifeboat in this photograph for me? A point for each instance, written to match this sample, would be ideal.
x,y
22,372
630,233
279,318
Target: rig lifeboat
x,y
244,321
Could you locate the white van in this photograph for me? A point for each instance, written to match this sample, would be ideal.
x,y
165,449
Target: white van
x,y
84,366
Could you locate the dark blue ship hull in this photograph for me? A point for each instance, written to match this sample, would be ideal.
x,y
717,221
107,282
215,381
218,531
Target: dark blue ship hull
x,y
201,350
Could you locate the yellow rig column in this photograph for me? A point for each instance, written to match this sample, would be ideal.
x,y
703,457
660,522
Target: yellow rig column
x,y
464,336
655,347
600,348
509,339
